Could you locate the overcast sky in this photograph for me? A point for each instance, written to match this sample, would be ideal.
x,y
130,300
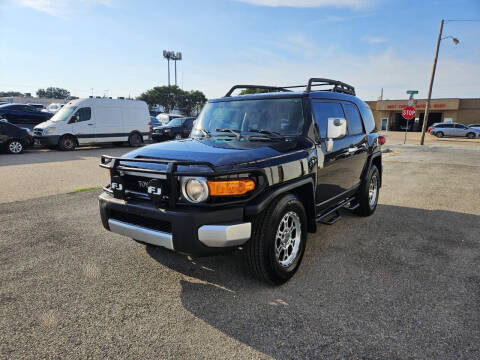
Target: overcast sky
x,y
117,45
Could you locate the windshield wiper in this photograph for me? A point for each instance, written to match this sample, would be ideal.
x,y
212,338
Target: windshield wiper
x,y
237,134
267,132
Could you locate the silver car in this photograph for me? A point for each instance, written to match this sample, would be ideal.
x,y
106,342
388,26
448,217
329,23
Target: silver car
x,y
454,129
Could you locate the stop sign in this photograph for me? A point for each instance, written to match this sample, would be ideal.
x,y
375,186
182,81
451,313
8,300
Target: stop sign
x,y
408,112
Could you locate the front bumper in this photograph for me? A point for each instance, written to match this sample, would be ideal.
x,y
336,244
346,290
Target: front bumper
x,y
48,140
188,231
160,136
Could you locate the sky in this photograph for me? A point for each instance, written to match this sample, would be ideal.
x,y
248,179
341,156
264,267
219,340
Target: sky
x,y
115,46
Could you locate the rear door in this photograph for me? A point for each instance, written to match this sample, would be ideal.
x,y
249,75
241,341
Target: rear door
x,y
83,125
448,130
357,143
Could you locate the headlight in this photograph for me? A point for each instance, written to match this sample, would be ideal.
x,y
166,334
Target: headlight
x,y
195,189
49,130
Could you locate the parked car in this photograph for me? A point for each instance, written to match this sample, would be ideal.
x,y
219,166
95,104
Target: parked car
x,y
54,107
453,129
475,126
14,138
178,128
164,119
95,120
37,106
258,172
23,115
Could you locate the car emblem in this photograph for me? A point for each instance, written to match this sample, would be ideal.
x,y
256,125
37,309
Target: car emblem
x,y
142,184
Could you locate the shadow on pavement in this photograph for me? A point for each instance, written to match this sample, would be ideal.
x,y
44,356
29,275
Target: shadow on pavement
x,y
402,283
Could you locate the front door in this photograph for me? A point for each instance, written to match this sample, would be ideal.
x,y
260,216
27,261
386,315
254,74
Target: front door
x,y
83,126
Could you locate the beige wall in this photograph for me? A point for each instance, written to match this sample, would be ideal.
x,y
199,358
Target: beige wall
x,y
465,111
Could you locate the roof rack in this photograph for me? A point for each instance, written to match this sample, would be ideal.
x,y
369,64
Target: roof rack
x,y
269,88
338,86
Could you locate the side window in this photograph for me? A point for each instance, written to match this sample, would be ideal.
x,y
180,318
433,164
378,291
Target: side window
x,y
354,121
83,114
448,126
189,124
324,110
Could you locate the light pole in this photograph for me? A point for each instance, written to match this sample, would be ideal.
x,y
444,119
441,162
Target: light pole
x,y
427,107
172,55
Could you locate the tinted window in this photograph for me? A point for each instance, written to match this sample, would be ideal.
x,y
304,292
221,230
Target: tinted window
x,y
83,114
354,121
439,126
324,110
461,126
448,126
189,124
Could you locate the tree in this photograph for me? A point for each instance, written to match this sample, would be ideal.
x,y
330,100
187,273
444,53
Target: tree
x,y
53,92
172,97
10,93
255,91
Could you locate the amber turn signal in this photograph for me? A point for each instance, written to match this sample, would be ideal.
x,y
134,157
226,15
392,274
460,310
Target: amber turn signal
x,y
230,187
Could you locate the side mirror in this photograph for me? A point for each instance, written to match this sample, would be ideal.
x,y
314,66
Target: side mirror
x,y
336,129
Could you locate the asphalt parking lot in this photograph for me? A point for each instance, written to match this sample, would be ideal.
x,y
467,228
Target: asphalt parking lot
x,y
404,283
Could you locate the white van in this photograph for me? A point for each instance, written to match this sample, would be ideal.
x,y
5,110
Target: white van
x,y
95,120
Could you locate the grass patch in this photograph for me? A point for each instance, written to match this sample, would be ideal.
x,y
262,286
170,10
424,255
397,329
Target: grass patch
x,y
85,189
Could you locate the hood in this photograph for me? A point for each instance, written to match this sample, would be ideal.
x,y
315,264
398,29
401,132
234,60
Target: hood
x,y
44,124
215,151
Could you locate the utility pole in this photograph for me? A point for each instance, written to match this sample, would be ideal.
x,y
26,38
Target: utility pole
x,y
427,107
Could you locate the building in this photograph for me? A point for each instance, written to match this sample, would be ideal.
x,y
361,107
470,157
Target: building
x,y
32,100
388,113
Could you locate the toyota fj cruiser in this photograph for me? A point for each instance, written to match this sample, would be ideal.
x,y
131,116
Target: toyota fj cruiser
x,y
258,172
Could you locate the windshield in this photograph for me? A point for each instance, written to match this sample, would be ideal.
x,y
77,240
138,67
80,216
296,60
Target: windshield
x,y
175,122
63,114
280,116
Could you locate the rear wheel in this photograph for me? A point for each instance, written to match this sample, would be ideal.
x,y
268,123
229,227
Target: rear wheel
x,y
15,146
367,195
471,135
439,134
67,143
135,140
279,236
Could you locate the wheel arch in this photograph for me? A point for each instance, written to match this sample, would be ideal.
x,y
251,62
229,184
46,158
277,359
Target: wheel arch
x,y
302,188
375,159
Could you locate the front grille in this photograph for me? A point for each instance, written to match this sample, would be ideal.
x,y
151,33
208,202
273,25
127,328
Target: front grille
x,y
142,221
37,132
139,183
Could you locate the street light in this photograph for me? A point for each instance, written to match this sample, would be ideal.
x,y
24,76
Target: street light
x,y
427,108
175,56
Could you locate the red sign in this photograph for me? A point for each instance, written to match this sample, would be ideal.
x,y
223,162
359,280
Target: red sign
x,y
408,112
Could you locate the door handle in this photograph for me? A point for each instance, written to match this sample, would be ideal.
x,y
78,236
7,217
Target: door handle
x,y
352,149
90,124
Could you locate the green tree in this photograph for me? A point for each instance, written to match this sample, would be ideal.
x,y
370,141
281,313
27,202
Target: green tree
x,y
53,92
10,93
172,97
254,91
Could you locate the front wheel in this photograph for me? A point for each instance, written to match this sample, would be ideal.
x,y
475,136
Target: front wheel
x,y
367,195
277,245
67,143
471,135
15,147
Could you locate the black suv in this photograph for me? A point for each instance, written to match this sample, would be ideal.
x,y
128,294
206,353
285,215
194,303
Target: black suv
x,y
23,115
258,172
178,128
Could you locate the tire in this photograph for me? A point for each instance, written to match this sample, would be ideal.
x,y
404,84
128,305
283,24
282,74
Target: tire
x,y
271,256
367,195
178,137
67,143
135,140
439,134
471,135
15,146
